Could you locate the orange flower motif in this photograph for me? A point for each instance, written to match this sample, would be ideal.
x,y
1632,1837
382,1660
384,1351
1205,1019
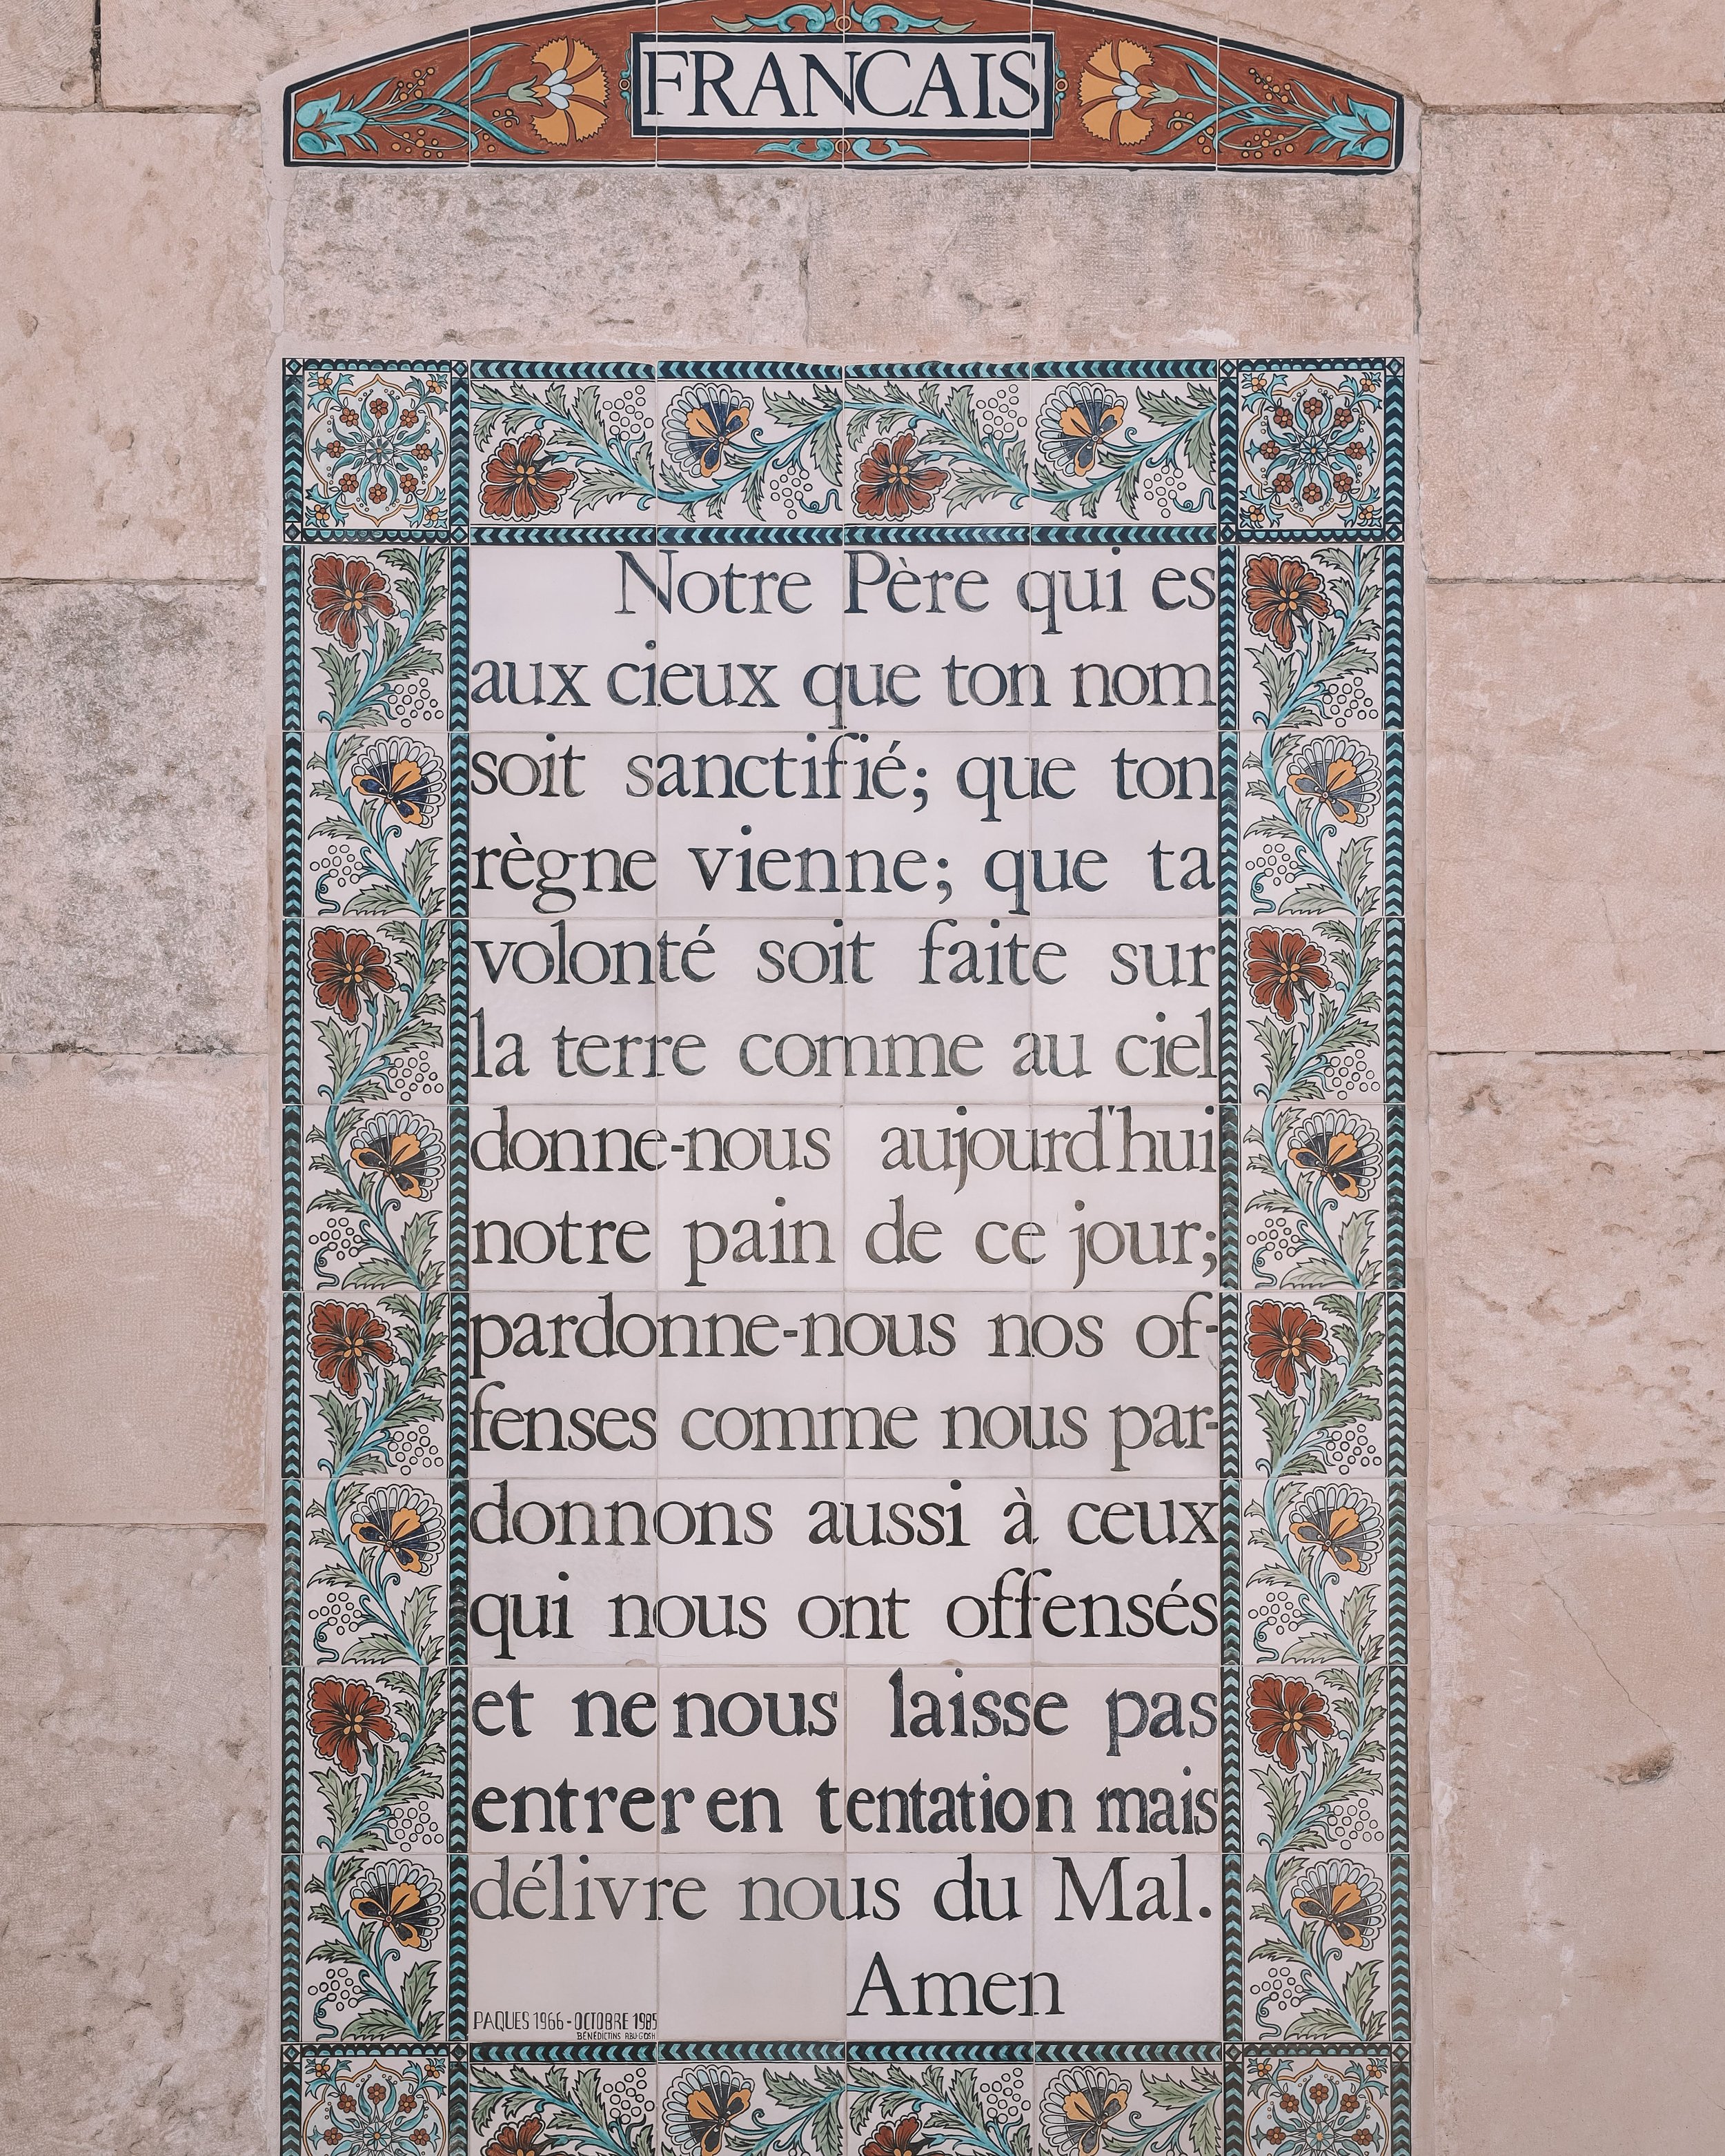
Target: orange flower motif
x,y
1286,1713
1281,965
895,480
345,595
1283,594
346,968
1116,93
572,92
346,1720
523,481
345,1340
1284,1341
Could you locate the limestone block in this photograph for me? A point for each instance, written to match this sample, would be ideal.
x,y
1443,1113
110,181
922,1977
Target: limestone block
x,y
1562,307
1023,264
1573,788
134,346
651,264
1484,53
47,45
1464,53
135,1873
147,58
1576,1758
1577,1285
1007,264
135,1364
133,827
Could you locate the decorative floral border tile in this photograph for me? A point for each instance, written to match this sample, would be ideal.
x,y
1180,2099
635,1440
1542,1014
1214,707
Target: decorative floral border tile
x,y
376,1933
1311,943
1316,1964
1311,1225
880,447
1319,448
1309,627
371,2103
374,444
1344,2106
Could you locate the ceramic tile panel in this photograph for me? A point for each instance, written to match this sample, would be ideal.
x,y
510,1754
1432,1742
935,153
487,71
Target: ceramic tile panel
x,y
881,86
844,1283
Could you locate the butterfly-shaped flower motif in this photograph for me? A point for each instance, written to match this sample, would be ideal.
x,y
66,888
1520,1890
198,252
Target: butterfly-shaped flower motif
x,y
403,776
1344,1524
1078,2106
700,424
1338,777
699,2104
401,1523
1345,1898
1074,429
404,1149
403,1898
1340,1150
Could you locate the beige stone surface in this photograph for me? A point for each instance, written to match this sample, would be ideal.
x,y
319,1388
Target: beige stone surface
x,y
46,47
1574,786
488,260
1026,264
1499,52
1006,264
135,1755
1579,1759
148,56
135,1359
1565,430
1576,1277
1444,51
119,706
133,345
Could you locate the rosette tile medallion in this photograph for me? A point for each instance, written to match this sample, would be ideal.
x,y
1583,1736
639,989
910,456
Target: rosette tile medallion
x,y
844,1440
989,82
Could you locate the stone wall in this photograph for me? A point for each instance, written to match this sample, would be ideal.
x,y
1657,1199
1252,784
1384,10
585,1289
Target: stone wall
x,y
1553,244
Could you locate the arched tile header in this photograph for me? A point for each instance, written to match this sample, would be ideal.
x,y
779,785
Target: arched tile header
x,y
982,82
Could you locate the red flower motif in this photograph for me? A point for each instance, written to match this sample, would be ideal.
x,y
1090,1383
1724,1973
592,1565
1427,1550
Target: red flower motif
x,y
894,481
896,2137
518,2138
347,1719
346,1338
1286,1713
1282,594
522,481
346,594
1282,964
347,968
1283,1340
